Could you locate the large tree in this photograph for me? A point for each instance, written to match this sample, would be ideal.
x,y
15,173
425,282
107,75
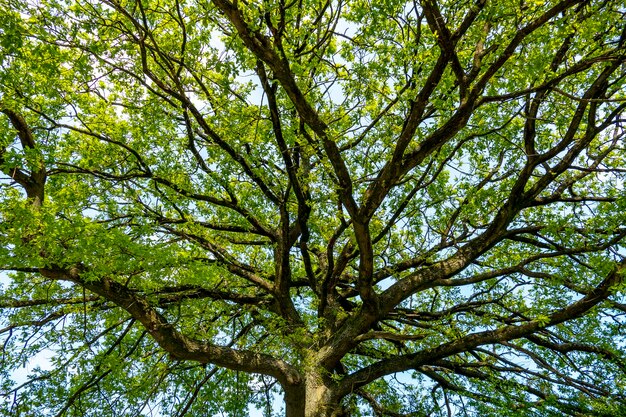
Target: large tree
x,y
366,207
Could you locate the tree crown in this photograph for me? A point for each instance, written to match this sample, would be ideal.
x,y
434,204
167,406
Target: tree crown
x,y
373,207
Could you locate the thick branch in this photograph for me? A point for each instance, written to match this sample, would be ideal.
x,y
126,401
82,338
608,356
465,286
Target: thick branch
x,y
34,182
505,333
172,341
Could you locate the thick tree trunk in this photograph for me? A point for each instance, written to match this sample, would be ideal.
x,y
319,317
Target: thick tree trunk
x,y
312,398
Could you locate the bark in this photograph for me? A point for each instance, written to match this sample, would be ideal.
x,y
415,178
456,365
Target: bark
x,y
313,398
33,182
177,344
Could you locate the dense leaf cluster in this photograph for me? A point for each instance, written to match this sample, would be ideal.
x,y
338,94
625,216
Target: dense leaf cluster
x,y
391,208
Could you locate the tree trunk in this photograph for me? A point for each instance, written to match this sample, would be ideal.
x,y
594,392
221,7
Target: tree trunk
x,y
312,398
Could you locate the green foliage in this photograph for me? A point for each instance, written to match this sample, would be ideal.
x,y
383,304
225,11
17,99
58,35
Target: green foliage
x,y
418,206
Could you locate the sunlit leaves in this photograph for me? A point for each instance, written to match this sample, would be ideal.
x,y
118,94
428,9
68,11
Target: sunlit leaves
x,y
193,157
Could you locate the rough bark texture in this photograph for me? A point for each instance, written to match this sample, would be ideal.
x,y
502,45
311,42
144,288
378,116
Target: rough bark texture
x,y
435,189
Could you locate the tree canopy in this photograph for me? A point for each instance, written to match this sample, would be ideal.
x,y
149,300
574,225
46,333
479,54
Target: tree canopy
x,y
390,208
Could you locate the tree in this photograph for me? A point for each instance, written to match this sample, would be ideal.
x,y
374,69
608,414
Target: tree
x,y
372,208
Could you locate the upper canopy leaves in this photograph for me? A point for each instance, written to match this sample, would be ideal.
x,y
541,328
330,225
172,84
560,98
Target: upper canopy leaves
x,y
316,191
